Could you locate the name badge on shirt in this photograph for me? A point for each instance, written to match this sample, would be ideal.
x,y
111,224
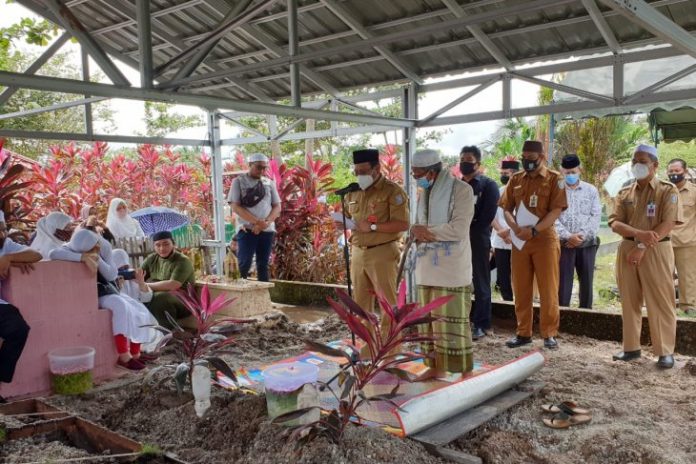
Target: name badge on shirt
x,y
651,209
533,201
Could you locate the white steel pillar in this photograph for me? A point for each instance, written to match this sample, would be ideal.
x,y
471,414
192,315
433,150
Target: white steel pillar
x,y
409,104
218,243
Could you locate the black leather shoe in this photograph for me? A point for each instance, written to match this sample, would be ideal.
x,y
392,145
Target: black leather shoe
x,y
518,341
665,362
626,355
477,334
550,343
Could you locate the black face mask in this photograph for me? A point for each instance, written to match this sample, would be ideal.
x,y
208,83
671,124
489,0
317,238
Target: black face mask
x,y
530,165
504,179
676,178
467,168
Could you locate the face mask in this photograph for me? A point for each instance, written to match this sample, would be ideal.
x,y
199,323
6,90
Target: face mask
x,y
640,171
467,168
504,179
424,183
530,165
365,180
572,179
676,178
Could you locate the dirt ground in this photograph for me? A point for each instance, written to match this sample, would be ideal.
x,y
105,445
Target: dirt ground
x,y
640,414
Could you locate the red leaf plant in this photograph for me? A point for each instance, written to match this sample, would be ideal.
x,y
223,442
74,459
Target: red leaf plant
x,y
382,355
205,342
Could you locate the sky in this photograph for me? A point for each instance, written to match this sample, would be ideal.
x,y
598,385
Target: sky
x,y
129,114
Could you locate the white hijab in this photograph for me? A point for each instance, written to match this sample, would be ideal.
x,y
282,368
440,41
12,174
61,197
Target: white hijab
x,y
122,228
84,212
82,241
45,241
119,258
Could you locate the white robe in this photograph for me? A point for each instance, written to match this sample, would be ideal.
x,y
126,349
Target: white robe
x,y
122,227
128,316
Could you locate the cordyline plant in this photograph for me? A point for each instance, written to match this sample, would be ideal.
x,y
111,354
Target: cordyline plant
x,y
204,343
383,354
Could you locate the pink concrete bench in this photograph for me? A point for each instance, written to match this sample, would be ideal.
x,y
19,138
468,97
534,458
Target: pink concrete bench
x,y
59,302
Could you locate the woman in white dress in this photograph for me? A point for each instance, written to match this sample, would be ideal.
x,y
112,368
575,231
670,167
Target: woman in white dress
x,y
129,316
120,223
52,231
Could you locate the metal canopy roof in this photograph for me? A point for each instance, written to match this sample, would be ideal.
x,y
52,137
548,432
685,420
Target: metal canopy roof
x,y
347,44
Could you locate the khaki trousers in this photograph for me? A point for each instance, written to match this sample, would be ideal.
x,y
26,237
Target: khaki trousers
x,y
651,282
374,270
538,258
685,261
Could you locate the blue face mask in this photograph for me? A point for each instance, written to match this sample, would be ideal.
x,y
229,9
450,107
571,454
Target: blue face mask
x,y
424,183
572,179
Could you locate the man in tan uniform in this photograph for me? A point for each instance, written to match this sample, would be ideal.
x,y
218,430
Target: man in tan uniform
x,y
542,192
380,212
684,237
644,214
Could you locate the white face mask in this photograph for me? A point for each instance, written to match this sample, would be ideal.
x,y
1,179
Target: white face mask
x,y
640,171
365,180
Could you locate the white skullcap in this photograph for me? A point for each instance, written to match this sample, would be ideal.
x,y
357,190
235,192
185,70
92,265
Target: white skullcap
x,y
257,157
425,158
2,216
649,149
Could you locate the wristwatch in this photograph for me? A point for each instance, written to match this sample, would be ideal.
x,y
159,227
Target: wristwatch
x,y
373,227
534,232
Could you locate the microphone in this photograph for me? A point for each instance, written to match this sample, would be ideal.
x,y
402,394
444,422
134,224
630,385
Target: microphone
x,y
353,187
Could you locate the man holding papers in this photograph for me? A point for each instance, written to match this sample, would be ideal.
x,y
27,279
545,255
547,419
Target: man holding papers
x,y
532,201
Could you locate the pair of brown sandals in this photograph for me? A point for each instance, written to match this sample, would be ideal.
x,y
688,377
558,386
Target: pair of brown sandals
x,y
566,414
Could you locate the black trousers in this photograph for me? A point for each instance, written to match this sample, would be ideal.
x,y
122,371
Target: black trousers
x,y
481,263
504,280
14,332
581,260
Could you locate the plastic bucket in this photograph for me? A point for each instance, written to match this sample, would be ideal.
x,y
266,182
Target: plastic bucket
x,y
71,369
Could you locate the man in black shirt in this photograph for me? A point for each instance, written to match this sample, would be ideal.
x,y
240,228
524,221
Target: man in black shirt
x,y
486,195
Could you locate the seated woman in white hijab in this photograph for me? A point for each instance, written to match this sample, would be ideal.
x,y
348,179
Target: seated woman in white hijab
x,y
120,223
133,284
52,231
128,315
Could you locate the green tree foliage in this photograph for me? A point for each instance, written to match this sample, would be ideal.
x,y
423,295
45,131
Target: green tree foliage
x,y
601,143
161,119
61,65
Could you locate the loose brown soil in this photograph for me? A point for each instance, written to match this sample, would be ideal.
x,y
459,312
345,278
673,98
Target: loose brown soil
x,y
640,414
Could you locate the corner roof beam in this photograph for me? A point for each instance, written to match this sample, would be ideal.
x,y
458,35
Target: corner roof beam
x,y
72,25
643,14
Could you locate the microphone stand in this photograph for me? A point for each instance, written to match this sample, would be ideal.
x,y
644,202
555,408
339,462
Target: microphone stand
x,y
346,254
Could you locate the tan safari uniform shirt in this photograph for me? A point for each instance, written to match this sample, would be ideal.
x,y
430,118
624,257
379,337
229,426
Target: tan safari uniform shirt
x,y
383,202
540,194
684,235
646,208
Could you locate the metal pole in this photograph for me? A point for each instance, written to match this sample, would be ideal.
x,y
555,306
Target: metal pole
x,y
293,48
144,42
409,105
218,193
89,123
552,138
346,256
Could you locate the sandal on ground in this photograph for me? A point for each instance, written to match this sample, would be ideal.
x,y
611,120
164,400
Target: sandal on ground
x,y
131,364
563,420
569,407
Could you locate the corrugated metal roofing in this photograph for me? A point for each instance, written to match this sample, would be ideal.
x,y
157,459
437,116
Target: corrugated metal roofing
x,y
523,33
